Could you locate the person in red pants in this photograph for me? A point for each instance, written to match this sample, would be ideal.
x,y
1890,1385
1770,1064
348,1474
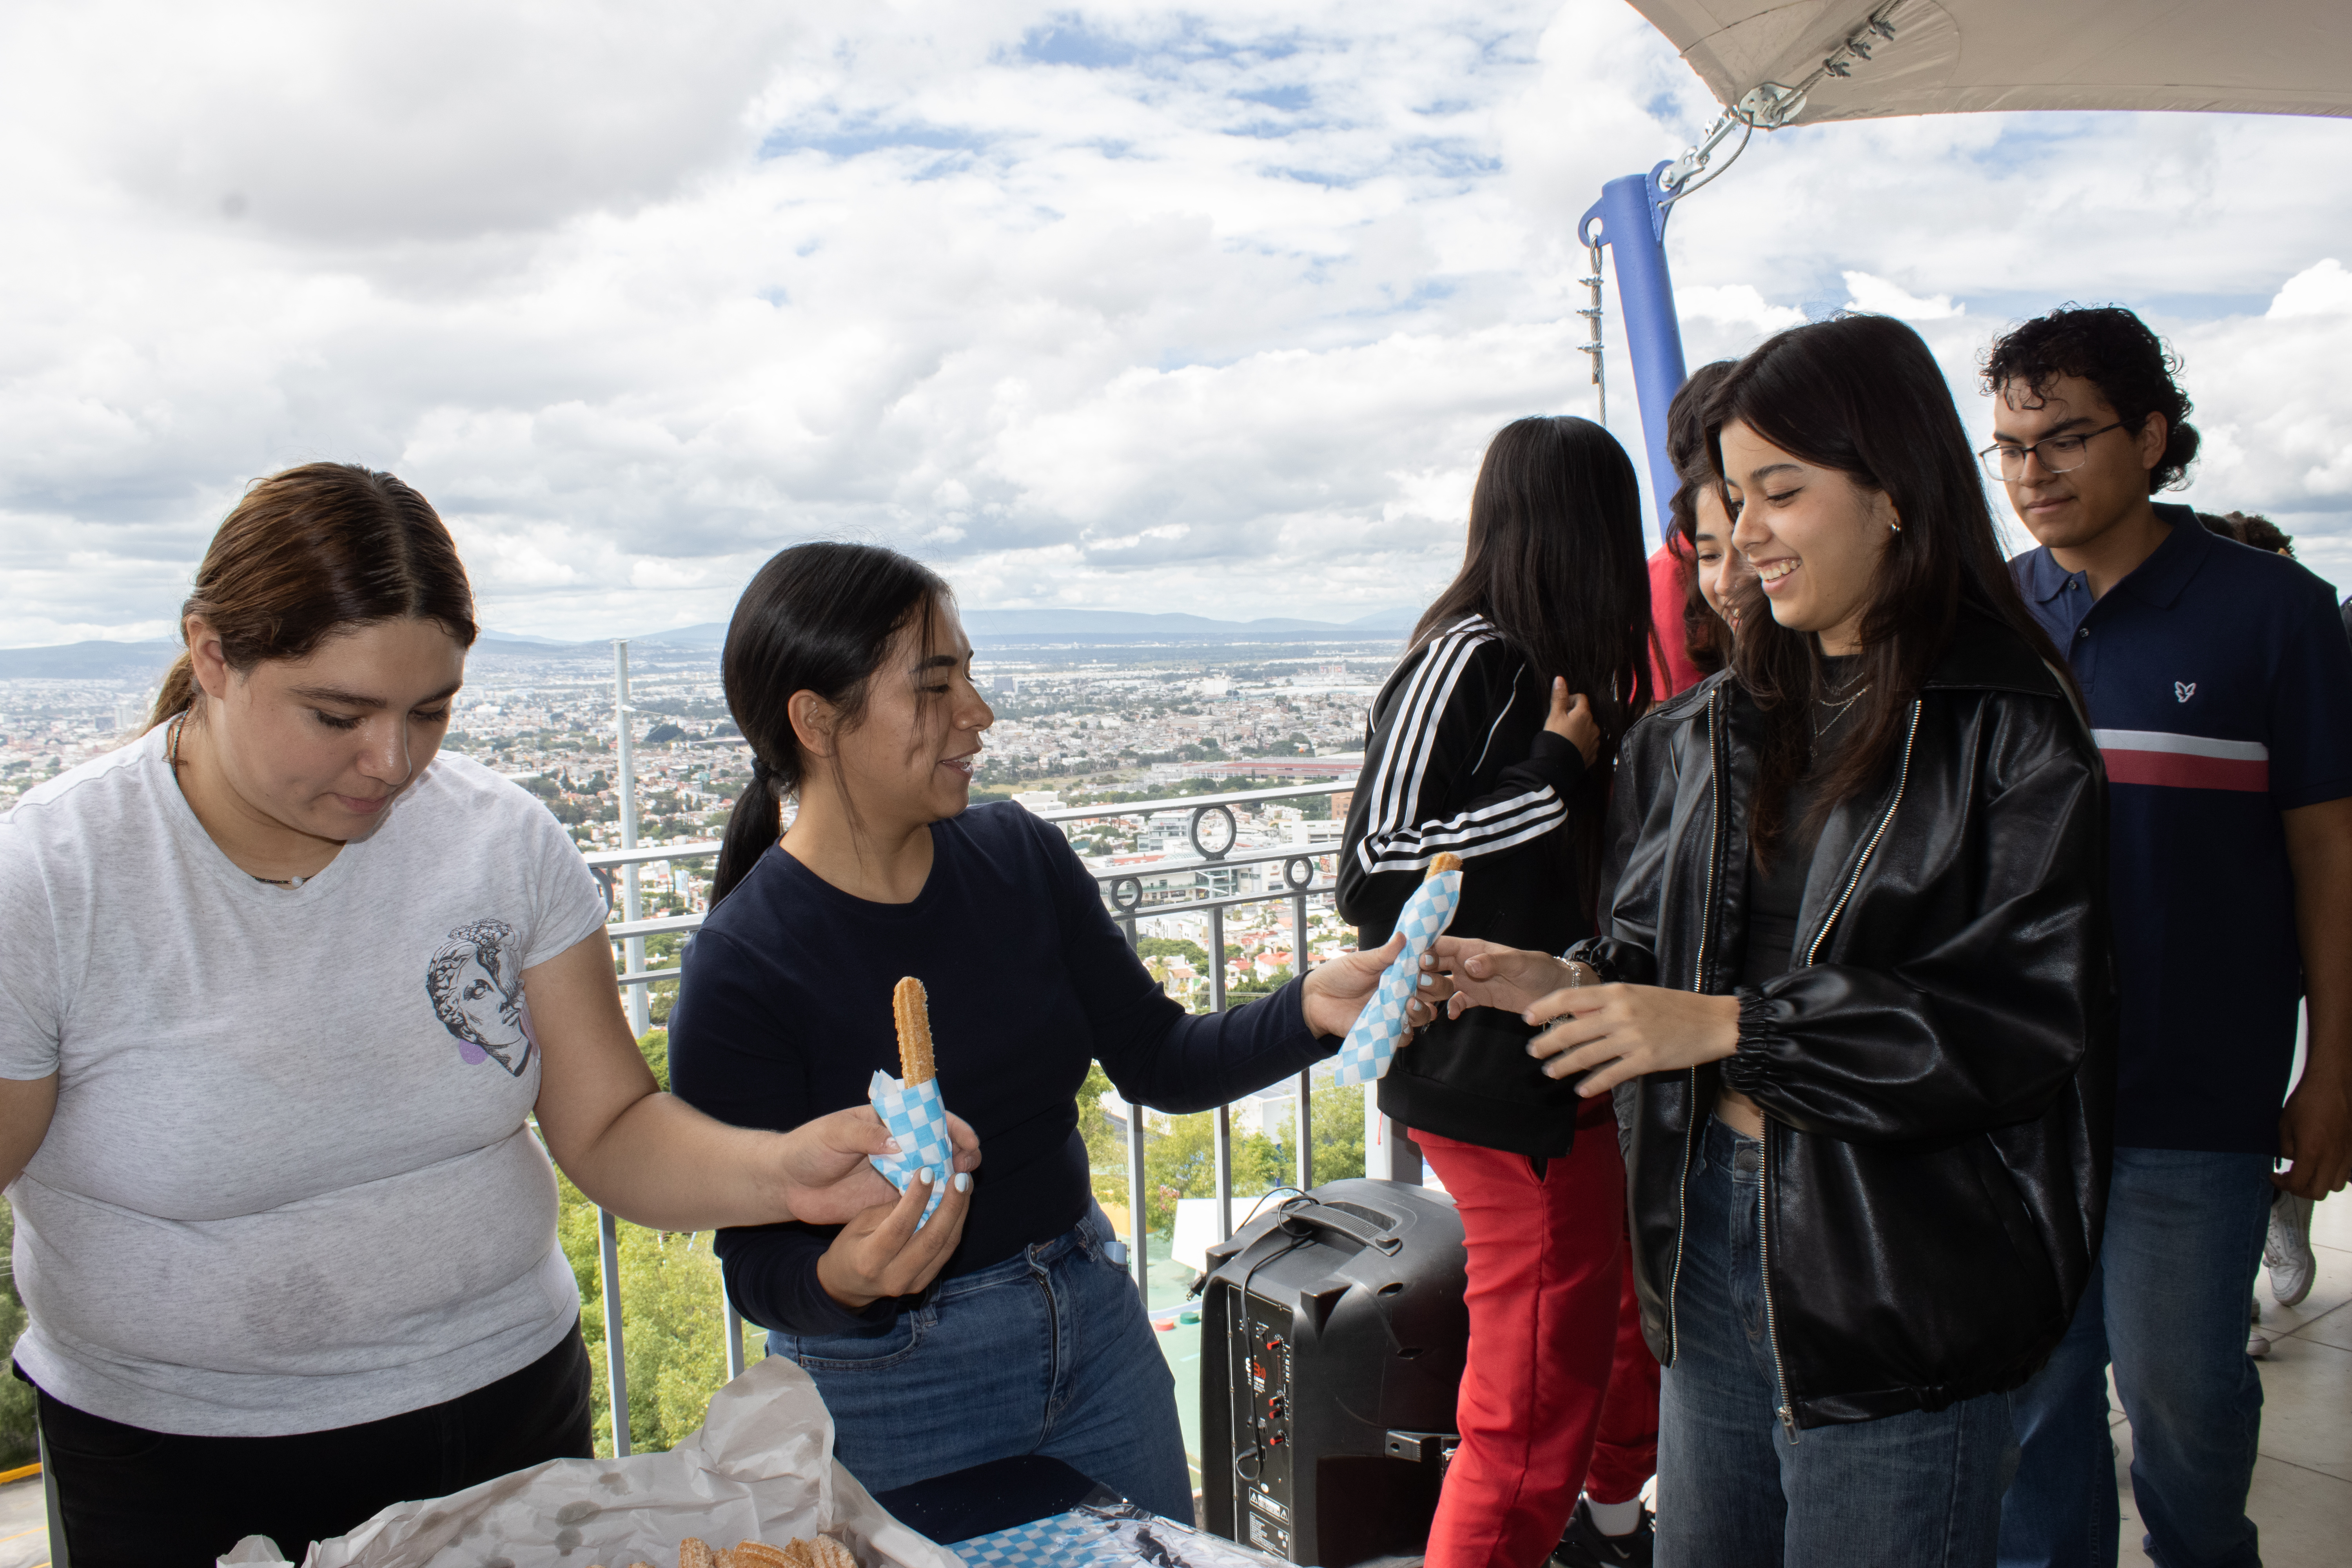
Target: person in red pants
x,y
1494,740
1693,582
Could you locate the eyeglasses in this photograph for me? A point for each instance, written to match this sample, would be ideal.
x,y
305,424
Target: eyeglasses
x,y
2058,454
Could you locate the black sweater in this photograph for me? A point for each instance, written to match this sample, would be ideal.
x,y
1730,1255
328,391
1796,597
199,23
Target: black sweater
x,y
784,1013
1457,759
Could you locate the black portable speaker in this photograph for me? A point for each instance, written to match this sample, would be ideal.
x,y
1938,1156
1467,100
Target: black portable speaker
x,y
1333,1331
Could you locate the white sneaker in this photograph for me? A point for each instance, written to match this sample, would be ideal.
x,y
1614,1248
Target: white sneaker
x,y
2287,1251
2258,1344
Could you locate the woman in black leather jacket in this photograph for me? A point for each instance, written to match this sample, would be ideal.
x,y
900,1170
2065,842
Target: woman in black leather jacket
x,y
1855,959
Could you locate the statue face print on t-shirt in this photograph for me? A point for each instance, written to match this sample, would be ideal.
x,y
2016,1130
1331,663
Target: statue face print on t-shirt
x,y
475,983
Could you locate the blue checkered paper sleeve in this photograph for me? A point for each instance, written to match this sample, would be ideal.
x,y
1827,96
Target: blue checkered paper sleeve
x,y
1372,1043
917,1118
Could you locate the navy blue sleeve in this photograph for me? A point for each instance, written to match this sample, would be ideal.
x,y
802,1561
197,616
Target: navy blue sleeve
x,y
728,1059
771,1273
1154,1052
2311,703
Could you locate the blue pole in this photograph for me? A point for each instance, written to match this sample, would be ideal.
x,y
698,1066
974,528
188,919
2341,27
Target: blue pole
x,y
1633,227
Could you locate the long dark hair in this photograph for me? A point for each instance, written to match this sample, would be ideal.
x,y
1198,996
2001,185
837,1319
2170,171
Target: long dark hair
x,y
310,552
1705,638
1862,395
816,617
1554,562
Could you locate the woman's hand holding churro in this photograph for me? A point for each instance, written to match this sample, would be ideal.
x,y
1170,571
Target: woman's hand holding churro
x,y
891,1249
1337,991
828,1177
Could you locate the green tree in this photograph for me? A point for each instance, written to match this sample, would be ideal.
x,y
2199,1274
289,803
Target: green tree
x,y
673,1311
1106,1149
1183,1162
1338,1121
673,1322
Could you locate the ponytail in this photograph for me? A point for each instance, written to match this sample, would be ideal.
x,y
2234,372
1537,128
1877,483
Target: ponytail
x,y
179,693
757,821
817,618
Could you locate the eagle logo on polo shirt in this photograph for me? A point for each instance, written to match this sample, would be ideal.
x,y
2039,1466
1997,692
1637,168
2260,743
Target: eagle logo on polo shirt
x,y
2184,690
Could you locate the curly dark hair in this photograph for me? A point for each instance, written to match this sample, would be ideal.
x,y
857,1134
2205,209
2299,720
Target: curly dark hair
x,y
2255,529
2113,350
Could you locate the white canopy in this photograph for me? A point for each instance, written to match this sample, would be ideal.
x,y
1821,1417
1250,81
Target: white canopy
x,y
2272,57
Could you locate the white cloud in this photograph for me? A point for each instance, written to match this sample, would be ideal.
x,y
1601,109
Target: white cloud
x,y
1207,310
2323,288
1735,305
1881,298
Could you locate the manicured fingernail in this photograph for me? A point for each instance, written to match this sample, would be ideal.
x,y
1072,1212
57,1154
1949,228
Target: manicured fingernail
x,y
892,1147
925,1177
962,1182
1427,982
1531,1046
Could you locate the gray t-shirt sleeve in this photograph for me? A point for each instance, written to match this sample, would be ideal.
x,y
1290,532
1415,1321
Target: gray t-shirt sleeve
x,y
571,902
30,992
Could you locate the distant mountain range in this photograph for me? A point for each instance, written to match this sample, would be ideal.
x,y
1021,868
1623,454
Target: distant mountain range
x,y
148,660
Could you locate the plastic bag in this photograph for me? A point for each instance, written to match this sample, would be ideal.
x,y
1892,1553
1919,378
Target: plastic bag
x,y
760,1468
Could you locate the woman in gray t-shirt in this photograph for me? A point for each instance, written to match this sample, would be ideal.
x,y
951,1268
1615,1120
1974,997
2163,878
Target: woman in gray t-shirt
x,y
284,991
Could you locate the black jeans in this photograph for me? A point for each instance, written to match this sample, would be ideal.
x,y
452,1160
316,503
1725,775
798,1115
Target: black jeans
x,y
136,1499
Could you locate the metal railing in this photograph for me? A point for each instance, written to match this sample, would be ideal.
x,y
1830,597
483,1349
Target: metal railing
x,y
1213,834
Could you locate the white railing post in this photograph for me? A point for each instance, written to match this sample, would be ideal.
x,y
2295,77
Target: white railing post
x,y
633,949
1136,1230
1303,1156
734,1337
1137,1262
1224,1124
616,1364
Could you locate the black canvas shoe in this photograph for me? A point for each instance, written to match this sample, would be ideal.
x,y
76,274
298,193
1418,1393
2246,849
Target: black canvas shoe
x,y
1584,1546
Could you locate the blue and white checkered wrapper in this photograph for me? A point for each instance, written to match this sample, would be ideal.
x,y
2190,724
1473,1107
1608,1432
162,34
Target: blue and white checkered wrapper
x,y
917,1118
1065,1541
1372,1043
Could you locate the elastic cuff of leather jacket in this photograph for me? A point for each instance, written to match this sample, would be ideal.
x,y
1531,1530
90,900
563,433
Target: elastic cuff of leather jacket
x,y
1587,952
1749,1068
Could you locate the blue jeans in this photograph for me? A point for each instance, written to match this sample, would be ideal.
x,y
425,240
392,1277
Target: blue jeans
x,y
1922,1489
2167,1303
1047,1352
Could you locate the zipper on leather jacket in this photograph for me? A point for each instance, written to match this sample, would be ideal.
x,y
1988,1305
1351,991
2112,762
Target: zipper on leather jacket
x,y
1698,981
1788,1411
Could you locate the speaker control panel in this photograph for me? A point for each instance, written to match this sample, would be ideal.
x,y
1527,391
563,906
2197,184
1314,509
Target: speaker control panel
x,y
1263,1427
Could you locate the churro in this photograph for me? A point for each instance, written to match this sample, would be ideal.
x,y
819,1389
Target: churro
x,y
821,1552
1442,862
912,1009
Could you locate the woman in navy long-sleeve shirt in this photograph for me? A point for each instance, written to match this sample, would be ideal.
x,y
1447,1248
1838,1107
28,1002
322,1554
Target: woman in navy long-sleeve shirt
x,y
849,674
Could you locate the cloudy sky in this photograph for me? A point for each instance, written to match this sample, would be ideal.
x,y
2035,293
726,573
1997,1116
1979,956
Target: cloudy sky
x,y
1206,309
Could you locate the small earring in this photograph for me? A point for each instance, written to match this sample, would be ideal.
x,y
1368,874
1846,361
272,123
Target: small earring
x,y
1893,528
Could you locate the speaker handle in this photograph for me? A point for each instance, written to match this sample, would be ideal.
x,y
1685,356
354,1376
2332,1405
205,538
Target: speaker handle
x,y
1317,1215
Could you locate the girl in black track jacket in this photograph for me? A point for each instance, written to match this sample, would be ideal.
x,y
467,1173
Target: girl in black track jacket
x,y
1492,740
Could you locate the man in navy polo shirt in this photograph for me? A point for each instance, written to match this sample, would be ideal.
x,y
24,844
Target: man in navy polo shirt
x,y
2220,687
